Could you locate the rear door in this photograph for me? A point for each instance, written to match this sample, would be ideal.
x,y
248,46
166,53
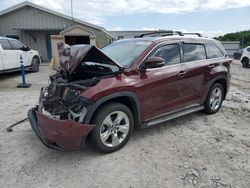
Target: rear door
x,y
196,72
8,55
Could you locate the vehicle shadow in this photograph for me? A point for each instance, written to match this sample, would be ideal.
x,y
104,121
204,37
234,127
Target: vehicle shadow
x,y
88,152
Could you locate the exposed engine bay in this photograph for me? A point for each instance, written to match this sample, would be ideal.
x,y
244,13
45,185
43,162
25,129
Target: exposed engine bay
x,y
81,67
62,100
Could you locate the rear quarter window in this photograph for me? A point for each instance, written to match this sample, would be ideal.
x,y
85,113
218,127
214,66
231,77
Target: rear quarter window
x,y
193,52
5,44
213,51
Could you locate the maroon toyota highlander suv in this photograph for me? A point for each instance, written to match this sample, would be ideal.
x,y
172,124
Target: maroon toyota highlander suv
x,y
99,96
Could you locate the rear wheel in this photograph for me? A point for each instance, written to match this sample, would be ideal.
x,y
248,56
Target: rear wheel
x,y
245,62
214,99
35,64
114,125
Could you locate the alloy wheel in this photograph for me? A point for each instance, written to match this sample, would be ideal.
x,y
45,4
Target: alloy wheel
x,y
216,98
114,129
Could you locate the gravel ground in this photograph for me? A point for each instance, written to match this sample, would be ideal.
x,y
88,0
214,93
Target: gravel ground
x,y
192,151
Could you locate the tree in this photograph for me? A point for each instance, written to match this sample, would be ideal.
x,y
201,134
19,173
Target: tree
x,y
242,36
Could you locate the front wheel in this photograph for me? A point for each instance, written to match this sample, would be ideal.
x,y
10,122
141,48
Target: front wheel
x,y
214,99
245,62
114,125
35,64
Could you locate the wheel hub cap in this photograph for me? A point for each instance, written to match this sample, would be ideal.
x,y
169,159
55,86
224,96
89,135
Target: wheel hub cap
x,y
216,98
114,129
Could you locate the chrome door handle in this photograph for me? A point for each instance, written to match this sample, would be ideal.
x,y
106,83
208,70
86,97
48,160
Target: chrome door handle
x,y
181,73
211,66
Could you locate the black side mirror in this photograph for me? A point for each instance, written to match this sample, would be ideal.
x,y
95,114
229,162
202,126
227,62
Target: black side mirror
x,y
154,62
25,48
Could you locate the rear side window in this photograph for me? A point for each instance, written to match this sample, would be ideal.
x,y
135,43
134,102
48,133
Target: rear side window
x,y
16,45
5,44
194,52
213,51
170,53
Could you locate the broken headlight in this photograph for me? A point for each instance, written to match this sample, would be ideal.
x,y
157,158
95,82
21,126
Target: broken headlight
x,y
62,102
77,113
78,110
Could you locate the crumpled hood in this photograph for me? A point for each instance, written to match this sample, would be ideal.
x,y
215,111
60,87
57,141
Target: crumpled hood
x,y
71,56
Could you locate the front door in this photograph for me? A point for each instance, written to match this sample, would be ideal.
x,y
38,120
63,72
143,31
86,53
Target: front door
x,y
17,47
161,89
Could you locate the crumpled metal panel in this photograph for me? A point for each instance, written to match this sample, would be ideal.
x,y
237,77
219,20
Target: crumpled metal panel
x,y
71,56
67,134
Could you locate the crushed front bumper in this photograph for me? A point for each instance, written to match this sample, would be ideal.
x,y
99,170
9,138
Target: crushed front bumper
x,y
58,134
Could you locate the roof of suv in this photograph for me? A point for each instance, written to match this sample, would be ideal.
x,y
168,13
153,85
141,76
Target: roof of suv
x,y
169,38
189,39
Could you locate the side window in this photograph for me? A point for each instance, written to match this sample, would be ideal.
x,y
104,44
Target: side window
x,y
5,44
213,51
248,49
194,52
16,45
170,53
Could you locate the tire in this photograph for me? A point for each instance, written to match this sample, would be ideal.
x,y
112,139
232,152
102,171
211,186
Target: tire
x,y
35,64
214,99
245,62
109,136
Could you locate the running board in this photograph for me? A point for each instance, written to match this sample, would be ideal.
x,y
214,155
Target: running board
x,y
174,114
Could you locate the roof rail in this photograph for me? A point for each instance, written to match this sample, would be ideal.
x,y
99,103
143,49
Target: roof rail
x,y
163,33
198,34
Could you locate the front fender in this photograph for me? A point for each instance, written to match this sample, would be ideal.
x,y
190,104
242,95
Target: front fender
x,y
101,101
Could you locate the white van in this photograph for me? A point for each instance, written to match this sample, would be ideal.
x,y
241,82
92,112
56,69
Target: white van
x,y
10,52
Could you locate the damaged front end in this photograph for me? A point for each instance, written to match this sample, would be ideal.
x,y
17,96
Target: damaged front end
x,y
58,120
62,100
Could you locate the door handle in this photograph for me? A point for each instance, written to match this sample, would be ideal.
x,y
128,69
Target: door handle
x,y
181,73
211,66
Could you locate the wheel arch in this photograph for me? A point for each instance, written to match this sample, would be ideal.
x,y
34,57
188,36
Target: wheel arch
x,y
127,98
221,80
243,58
36,56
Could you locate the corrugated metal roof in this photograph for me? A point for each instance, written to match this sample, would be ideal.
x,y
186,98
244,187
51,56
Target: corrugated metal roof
x,y
26,3
37,28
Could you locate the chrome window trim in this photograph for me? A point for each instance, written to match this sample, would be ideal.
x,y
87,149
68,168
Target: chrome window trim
x,y
161,43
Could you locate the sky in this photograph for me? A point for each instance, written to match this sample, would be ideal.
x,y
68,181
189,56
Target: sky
x,y
209,17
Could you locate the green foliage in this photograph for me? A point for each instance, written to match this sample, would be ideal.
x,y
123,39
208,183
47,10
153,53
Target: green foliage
x,y
242,36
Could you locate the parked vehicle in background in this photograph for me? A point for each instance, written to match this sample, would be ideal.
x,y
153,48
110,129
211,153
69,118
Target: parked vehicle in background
x,y
245,57
102,95
238,54
10,52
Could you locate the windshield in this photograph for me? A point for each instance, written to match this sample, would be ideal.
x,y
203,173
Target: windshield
x,y
125,52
